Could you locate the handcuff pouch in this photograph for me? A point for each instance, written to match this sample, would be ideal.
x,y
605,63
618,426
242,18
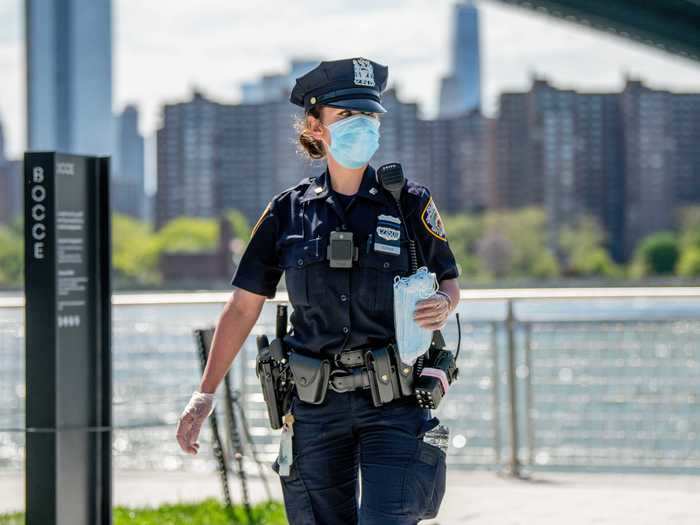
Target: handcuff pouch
x,y
311,376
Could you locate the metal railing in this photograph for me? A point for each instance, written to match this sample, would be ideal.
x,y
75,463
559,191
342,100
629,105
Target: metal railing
x,y
566,386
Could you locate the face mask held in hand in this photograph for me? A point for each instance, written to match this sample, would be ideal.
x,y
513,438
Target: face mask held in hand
x,y
412,339
354,140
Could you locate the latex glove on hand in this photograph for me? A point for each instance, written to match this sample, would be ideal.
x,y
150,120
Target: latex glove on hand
x,y
200,406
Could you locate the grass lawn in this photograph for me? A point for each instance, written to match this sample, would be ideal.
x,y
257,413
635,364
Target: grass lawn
x,y
207,512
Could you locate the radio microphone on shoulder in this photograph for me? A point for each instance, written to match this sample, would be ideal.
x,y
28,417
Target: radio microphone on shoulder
x,y
390,176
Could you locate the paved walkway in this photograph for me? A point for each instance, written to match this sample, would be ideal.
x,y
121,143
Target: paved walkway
x,y
478,498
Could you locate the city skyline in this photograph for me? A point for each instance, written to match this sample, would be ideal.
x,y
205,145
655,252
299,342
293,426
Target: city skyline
x,y
569,56
627,157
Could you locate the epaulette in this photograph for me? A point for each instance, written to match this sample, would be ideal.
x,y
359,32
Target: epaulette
x,y
303,182
414,195
415,188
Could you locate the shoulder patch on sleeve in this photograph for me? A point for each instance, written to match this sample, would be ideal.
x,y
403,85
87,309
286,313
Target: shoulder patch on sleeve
x,y
430,217
264,214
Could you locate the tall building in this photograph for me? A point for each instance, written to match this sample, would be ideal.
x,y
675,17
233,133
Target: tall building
x,y
128,192
453,161
685,109
516,180
460,90
554,156
69,75
630,159
561,150
649,148
187,160
600,173
258,155
214,157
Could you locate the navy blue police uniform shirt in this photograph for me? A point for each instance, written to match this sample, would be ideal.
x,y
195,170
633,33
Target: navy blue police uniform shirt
x,y
340,308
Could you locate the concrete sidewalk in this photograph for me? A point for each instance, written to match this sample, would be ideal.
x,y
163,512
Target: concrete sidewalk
x,y
478,498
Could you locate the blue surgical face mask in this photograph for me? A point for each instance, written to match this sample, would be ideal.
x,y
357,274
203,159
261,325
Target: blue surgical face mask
x,y
354,140
412,339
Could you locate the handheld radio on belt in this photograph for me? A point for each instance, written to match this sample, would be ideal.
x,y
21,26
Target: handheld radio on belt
x,y
433,377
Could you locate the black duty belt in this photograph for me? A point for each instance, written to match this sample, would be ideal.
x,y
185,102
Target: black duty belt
x,y
346,380
350,358
348,370
367,367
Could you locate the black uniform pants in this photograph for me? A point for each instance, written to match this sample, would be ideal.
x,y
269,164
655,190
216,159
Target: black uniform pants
x,y
402,477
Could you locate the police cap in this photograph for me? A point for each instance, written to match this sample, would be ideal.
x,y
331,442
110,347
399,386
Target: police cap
x,y
352,83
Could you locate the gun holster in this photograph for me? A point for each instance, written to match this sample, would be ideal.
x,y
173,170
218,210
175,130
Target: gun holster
x,y
311,376
272,369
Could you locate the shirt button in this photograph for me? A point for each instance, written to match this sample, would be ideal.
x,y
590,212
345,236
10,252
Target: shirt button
x,y
386,265
300,262
345,329
343,297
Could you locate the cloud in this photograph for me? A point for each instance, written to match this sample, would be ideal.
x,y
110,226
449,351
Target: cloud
x,y
226,46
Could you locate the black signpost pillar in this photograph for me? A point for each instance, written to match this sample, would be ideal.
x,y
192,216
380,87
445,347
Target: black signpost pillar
x,y
68,339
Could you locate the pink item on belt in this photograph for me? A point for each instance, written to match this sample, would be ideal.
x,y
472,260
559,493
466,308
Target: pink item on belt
x,y
437,373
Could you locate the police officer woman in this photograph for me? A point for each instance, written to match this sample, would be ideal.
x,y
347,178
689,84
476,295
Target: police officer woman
x,y
340,312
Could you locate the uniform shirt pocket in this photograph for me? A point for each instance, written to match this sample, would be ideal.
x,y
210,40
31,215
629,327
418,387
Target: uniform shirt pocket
x,y
303,261
377,271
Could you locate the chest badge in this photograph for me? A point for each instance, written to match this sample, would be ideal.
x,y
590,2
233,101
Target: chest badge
x,y
388,235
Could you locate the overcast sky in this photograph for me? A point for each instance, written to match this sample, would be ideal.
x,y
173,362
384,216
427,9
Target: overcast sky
x,y
164,47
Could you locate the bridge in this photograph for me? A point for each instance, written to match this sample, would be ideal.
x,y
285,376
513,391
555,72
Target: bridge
x,y
669,25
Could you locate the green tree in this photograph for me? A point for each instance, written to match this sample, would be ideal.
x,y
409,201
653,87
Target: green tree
x,y
656,254
11,257
583,246
134,250
463,231
188,234
495,254
240,225
16,226
689,226
525,228
689,263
